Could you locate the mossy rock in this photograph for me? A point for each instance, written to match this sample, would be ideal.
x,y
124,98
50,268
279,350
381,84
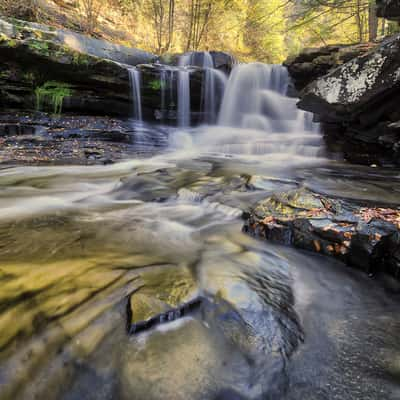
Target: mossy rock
x,y
295,203
53,94
163,288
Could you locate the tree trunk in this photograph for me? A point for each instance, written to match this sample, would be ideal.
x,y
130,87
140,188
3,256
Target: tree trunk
x,y
372,21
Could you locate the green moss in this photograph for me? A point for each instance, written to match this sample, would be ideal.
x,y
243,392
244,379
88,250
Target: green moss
x,y
52,93
7,41
80,59
157,84
39,46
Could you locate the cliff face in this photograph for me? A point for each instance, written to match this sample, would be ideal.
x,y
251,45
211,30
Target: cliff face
x,y
32,55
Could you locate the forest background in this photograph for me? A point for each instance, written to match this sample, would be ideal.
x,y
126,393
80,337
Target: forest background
x,y
263,30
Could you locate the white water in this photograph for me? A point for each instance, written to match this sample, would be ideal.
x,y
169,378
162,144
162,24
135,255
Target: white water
x,y
255,98
258,119
183,98
134,79
213,85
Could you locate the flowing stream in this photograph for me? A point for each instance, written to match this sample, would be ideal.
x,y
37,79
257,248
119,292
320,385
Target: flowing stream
x,y
134,80
88,253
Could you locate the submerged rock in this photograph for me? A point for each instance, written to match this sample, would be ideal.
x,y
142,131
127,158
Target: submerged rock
x,y
166,294
367,238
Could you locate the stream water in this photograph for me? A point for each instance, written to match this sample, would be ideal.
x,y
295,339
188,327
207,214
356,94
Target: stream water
x,y
83,250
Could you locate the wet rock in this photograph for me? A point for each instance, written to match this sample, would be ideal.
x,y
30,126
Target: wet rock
x,y
167,293
159,97
38,138
222,61
366,238
313,63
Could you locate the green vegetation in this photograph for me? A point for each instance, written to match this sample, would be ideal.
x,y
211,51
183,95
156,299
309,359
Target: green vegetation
x,y
80,59
5,40
157,84
39,46
52,93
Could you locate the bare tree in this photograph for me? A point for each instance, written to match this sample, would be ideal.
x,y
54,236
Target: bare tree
x,y
200,12
90,15
162,14
24,9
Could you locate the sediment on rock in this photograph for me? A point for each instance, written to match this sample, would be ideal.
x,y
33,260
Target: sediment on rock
x,y
360,235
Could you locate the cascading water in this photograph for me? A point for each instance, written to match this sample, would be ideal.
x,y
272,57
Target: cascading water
x,y
168,100
256,98
256,116
183,98
214,83
134,80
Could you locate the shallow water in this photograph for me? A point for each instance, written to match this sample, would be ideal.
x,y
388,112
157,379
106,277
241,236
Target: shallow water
x,y
75,242
86,253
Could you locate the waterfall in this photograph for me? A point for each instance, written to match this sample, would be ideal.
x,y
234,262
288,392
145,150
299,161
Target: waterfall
x,y
257,118
183,98
163,88
134,80
214,84
213,87
255,98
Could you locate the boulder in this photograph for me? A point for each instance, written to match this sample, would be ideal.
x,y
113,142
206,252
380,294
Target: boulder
x,y
313,63
361,236
359,100
223,61
355,90
389,9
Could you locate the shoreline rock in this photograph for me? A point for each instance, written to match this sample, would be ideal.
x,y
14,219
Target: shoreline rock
x,y
357,103
361,236
314,63
42,139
